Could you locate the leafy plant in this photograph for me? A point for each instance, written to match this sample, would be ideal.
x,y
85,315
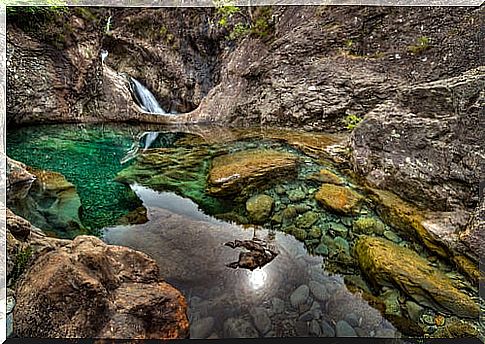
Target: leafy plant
x,y
351,121
21,262
226,10
240,30
422,44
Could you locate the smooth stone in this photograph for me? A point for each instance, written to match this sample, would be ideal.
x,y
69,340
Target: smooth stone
x,y
414,310
280,190
201,328
289,213
352,319
239,328
342,245
9,324
318,290
299,296
278,305
390,235
315,329
385,333
343,329
301,328
327,329
391,300
339,229
307,316
322,249
261,320
259,208
307,220
315,232
296,195
302,208
368,225
428,319
347,221
10,304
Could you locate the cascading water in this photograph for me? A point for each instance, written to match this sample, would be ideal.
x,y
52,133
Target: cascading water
x,y
145,98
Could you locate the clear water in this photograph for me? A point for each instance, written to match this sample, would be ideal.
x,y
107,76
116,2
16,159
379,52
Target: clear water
x,y
118,168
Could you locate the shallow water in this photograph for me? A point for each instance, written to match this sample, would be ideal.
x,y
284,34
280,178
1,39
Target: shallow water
x,y
164,172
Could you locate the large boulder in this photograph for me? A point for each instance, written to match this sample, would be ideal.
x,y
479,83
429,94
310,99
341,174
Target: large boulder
x,y
387,264
19,180
339,199
473,236
425,145
90,289
51,203
232,173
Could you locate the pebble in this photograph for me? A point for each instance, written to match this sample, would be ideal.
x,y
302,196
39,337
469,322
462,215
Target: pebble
x,y
346,221
239,328
280,190
202,328
428,319
307,316
296,195
278,305
322,249
414,310
9,324
390,235
10,304
339,229
315,329
261,320
391,300
327,329
343,329
299,296
385,333
301,328
316,310
318,290
342,244
352,319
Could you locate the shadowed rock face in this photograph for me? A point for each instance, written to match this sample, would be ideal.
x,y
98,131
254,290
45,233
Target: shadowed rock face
x,y
386,263
425,147
90,289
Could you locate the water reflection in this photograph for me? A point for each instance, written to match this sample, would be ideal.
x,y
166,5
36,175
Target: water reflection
x,y
275,300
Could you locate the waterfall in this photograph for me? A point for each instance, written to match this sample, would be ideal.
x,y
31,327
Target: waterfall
x,y
150,137
145,98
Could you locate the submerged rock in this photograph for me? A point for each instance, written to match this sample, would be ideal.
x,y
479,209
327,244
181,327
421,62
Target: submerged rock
x,y
339,199
239,328
259,208
52,203
325,177
90,289
299,296
387,264
307,220
232,173
368,225
343,329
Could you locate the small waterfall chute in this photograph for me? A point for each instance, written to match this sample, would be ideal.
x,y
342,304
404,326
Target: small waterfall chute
x,y
145,98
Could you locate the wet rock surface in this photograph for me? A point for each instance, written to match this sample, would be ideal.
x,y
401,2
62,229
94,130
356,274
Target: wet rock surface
x,y
110,291
388,264
229,173
338,199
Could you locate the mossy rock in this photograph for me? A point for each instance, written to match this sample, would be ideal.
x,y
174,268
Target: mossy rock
x,y
368,225
234,173
387,264
307,220
326,177
339,199
456,329
259,208
469,269
406,218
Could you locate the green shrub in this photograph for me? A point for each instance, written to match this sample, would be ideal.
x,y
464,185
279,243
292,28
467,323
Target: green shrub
x,y
422,44
351,121
21,262
240,30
